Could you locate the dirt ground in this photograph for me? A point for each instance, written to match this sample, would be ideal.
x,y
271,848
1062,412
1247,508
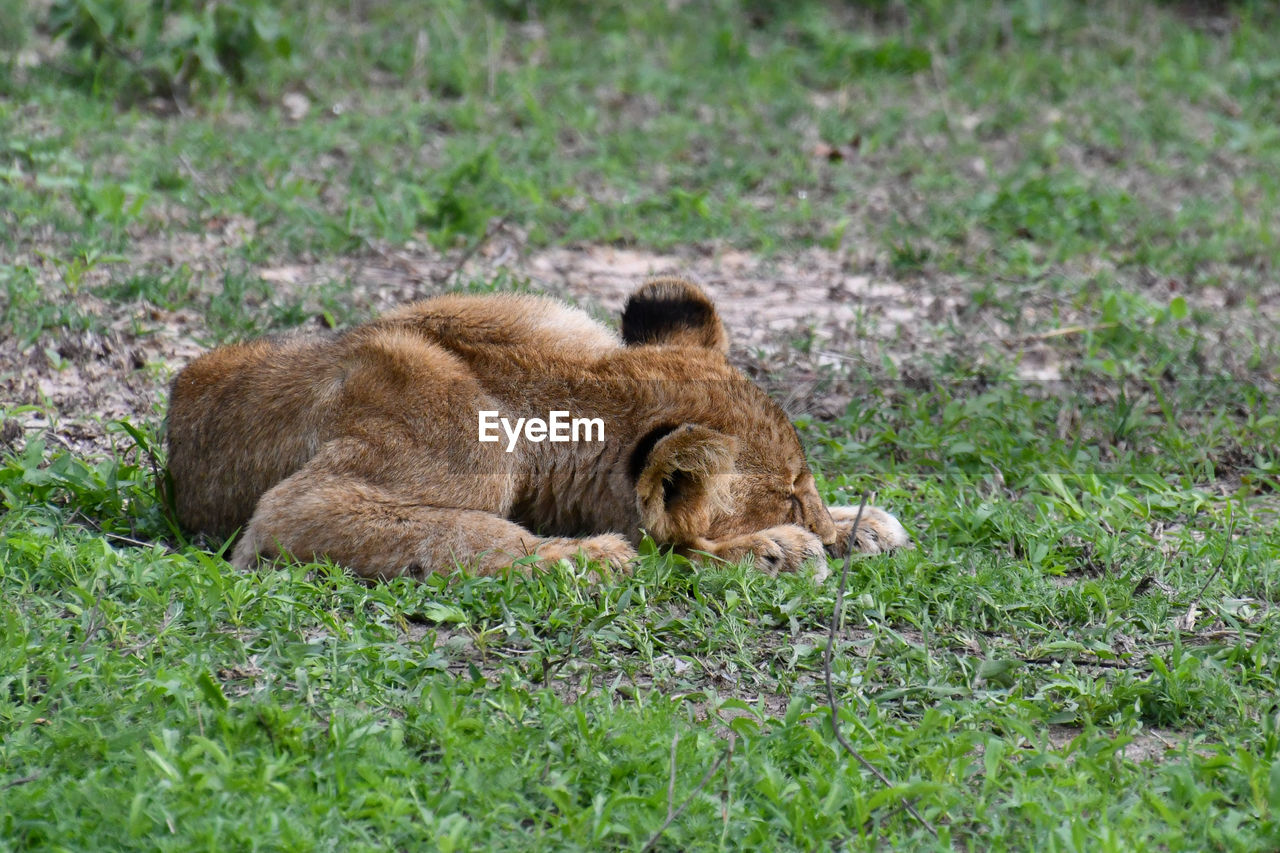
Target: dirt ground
x,y
794,318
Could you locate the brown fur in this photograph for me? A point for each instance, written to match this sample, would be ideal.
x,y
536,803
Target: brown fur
x,y
363,447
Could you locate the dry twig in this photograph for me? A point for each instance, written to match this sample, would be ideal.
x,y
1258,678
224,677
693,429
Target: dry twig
x,y
831,693
493,229
671,782
24,780
119,537
170,613
706,777
1187,621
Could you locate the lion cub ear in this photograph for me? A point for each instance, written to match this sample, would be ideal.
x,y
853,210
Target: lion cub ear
x,y
681,476
675,312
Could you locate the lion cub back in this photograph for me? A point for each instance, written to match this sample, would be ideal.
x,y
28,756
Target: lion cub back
x,y
246,416
530,323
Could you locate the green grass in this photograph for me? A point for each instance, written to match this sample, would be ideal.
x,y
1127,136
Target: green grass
x,y
997,672
997,129
1080,654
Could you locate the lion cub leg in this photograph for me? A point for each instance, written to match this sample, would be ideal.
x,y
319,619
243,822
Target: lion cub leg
x,y
380,534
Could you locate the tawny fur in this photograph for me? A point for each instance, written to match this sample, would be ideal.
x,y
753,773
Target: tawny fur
x,y
363,447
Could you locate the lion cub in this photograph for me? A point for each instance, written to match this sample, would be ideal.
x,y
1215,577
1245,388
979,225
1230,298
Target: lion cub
x,y
389,448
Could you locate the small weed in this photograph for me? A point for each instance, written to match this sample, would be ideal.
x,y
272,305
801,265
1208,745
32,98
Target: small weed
x,y
226,315
456,210
112,203
1055,212
169,289
907,257
17,17
891,57
139,49
27,309
113,496
73,270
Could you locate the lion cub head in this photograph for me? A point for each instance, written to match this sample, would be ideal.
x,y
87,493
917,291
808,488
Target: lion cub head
x,y
720,458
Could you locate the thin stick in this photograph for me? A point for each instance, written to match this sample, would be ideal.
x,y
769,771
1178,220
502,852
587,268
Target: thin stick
x,y
200,182
96,623
831,692
22,781
470,252
725,791
706,777
1231,530
128,540
1064,331
1186,622
170,613
671,783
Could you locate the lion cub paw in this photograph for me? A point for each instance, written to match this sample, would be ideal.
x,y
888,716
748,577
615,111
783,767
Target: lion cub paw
x,y
608,549
877,531
785,548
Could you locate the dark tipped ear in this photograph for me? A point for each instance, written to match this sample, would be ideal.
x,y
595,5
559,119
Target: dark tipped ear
x,y
675,312
681,480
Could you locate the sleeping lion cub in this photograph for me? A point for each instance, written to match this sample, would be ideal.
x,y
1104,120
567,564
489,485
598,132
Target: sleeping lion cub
x,y
476,430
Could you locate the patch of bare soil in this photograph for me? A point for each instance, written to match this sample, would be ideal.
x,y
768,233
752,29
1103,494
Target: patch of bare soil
x,y
802,316
1149,745
74,383
815,304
